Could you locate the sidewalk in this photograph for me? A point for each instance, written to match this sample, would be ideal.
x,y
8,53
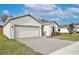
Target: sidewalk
x,y
72,49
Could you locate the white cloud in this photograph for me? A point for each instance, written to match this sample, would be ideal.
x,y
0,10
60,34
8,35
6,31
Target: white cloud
x,y
51,10
67,13
5,12
56,19
58,13
41,6
41,9
74,10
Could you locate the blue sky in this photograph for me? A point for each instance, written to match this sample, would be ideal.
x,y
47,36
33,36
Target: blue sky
x,y
62,13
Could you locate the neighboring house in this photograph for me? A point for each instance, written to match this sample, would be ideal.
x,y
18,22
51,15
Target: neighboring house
x,y
28,26
64,28
76,27
1,29
1,25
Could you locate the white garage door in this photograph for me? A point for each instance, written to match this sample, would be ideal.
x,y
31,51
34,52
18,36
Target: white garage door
x,y
27,31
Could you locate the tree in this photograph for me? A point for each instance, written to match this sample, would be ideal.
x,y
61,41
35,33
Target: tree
x,y
5,15
4,18
71,28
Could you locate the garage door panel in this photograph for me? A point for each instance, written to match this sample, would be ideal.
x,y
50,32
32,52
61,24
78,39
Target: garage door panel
x,y
27,31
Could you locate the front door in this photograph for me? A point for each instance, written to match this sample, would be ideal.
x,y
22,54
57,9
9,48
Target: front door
x,y
53,29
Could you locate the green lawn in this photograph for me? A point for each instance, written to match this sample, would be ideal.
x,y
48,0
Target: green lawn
x,y
13,47
64,36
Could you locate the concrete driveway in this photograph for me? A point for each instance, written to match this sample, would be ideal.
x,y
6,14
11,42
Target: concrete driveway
x,y
44,45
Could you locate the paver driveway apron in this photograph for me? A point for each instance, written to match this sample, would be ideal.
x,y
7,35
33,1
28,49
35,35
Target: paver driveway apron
x,y
44,45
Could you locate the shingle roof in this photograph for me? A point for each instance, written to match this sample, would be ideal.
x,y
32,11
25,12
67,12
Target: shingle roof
x,y
63,26
42,21
12,18
76,25
48,21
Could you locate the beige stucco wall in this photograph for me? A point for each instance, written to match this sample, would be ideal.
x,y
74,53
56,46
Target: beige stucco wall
x,y
6,30
55,25
26,21
48,28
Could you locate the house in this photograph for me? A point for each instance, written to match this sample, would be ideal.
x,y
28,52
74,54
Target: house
x,y
1,29
1,25
49,27
64,28
76,27
28,26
